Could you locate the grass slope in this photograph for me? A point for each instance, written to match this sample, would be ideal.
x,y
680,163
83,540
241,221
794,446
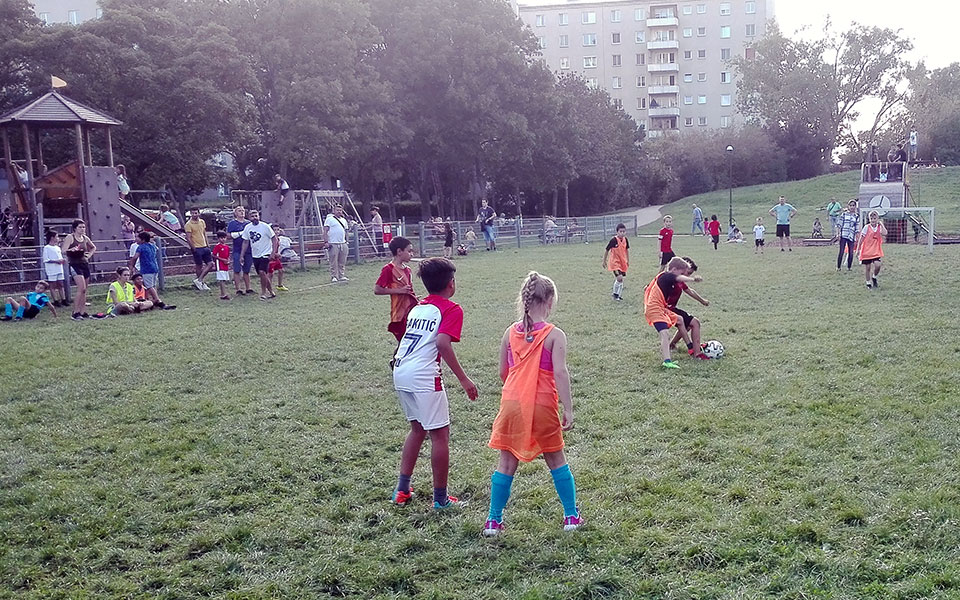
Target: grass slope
x,y
247,450
934,187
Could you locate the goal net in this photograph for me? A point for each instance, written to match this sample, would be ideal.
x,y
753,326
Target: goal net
x,y
905,225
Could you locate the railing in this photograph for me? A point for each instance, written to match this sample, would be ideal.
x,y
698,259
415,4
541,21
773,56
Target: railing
x,y
884,172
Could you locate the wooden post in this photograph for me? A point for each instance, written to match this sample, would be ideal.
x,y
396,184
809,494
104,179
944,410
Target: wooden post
x,y
39,154
6,154
78,129
32,192
109,148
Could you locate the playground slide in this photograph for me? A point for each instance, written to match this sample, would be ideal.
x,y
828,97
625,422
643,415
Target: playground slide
x,y
144,220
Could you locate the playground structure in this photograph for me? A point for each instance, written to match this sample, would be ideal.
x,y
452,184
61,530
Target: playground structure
x,y
885,188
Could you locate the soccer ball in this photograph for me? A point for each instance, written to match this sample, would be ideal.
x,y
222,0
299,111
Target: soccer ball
x,y
713,349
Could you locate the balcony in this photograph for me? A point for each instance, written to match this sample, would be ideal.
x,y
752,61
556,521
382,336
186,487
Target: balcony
x,y
663,68
656,133
663,89
664,111
663,22
663,45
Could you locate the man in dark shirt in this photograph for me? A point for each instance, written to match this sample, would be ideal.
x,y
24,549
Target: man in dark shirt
x,y
485,217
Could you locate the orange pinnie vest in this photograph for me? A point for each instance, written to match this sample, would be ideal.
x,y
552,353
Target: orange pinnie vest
x,y
655,308
871,243
528,423
618,257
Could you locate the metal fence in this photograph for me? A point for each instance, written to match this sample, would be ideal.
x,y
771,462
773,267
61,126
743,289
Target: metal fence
x,y
21,266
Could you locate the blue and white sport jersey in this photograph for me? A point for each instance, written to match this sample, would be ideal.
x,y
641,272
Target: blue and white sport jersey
x,y
38,300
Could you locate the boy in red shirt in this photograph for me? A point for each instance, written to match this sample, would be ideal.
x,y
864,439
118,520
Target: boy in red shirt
x,y
395,281
222,253
666,242
689,321
713,228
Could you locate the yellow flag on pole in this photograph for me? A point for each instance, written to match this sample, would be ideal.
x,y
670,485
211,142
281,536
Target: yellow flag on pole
x,y
56,82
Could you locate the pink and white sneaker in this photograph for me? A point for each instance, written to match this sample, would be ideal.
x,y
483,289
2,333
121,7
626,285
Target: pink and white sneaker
x,y
492,528
572,523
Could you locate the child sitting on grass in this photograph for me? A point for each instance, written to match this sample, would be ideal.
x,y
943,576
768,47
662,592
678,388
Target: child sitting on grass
x,y
29,306
533,369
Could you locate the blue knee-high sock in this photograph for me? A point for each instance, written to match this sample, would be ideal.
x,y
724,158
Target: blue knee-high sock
x,y
8,310
20,312
500,484
563,481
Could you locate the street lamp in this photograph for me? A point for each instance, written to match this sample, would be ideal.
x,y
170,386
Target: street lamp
x,y
730,181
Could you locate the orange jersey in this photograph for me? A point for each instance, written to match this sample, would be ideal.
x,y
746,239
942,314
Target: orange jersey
x,y
871,243
528,423
617,260
655,308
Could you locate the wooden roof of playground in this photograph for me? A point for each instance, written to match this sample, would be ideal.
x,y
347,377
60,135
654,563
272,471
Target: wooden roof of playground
x,y
56,110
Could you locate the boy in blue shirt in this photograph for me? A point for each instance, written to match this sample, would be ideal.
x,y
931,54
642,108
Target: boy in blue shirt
x,y
29,306
149,267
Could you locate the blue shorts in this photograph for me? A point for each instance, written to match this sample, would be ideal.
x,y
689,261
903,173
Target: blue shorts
x,y
247,261
202,256
489,233
661,326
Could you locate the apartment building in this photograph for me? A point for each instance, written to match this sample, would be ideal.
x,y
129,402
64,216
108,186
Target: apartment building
x,y
667,64
66,11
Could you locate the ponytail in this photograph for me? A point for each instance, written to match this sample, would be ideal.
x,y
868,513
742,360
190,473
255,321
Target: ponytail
x,y
537,289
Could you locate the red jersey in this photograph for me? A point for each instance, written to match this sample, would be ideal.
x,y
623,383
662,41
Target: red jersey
x,y
666,239
222,252
713,227
674,296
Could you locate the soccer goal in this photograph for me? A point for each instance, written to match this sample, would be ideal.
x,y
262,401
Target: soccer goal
x,y
912,224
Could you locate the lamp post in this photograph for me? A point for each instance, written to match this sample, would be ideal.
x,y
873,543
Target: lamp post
x,y
730,180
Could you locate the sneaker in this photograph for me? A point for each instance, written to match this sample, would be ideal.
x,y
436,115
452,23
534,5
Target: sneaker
x,y
669,364
701,356
492,528
344,278
572,523
690,351
206,287
198,284
111,315
452,502
869,286
169,307
18,318
334,280
6,318
224,297
876,284
85,315
76,317
283,288
402,498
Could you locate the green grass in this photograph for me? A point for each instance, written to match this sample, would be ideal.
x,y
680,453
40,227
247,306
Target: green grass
x,y
247,450
934,187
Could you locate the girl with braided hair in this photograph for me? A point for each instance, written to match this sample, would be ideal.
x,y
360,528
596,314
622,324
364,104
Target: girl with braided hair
x,y
533,368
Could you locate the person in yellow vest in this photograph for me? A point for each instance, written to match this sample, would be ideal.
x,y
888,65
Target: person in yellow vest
x,y
121,297
871,248
536,382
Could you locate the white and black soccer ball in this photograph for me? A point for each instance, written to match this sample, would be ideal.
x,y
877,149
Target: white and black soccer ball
x,y
713,349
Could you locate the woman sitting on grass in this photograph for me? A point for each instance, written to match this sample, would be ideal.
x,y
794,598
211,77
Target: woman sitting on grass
x,y
121,297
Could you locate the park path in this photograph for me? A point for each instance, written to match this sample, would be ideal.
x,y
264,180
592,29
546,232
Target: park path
x,y
645,215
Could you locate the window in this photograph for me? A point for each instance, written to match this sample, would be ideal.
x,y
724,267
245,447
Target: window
x,y
564,41
751,30
665,58
589,62
725,53
750,8
725,77
541,42
724,9
688,121
688,32
701,77
564,63
74,17
726,100
617,83
702,121
701,9
687,54
725,121
592,83
617,103
44,18
641,81
701,31
688,77
640,37
641,103
615,16
701,54
641,59
638,14
725,31
588,17
688,99
688,10
614,38
563,19
749,53
541,20
617,60
589,39
702,99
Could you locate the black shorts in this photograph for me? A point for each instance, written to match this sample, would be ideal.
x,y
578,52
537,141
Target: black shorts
x,y
618,273
262,264
870,261
783,231
667,256
758,242
31,312
715,239
202,256
81,269
687,318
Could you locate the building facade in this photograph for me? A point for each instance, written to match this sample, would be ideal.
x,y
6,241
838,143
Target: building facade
x,y
667,64
66,11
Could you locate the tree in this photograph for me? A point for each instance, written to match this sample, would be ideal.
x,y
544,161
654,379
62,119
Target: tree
x,y
17,22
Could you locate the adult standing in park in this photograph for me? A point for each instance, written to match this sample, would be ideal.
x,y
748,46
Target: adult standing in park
x,y
260,240
848,233
335,236
78,249
914,138
834,209
697,221
783,212
196,232
242,261
486,218
376,223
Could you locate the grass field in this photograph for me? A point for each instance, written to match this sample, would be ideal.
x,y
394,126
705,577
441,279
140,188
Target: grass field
x,y
933,187
247,450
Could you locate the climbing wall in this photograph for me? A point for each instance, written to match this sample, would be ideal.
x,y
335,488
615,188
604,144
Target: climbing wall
x,y
102,214
271,211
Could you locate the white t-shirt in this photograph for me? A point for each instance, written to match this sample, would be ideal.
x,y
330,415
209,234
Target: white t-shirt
x,y
417,360
133,252
338,229
283,243
758,232
52,253
259,236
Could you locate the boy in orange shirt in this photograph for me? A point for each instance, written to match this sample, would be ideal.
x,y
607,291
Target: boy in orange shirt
x,y
618,250
395,281
657,310
871,248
